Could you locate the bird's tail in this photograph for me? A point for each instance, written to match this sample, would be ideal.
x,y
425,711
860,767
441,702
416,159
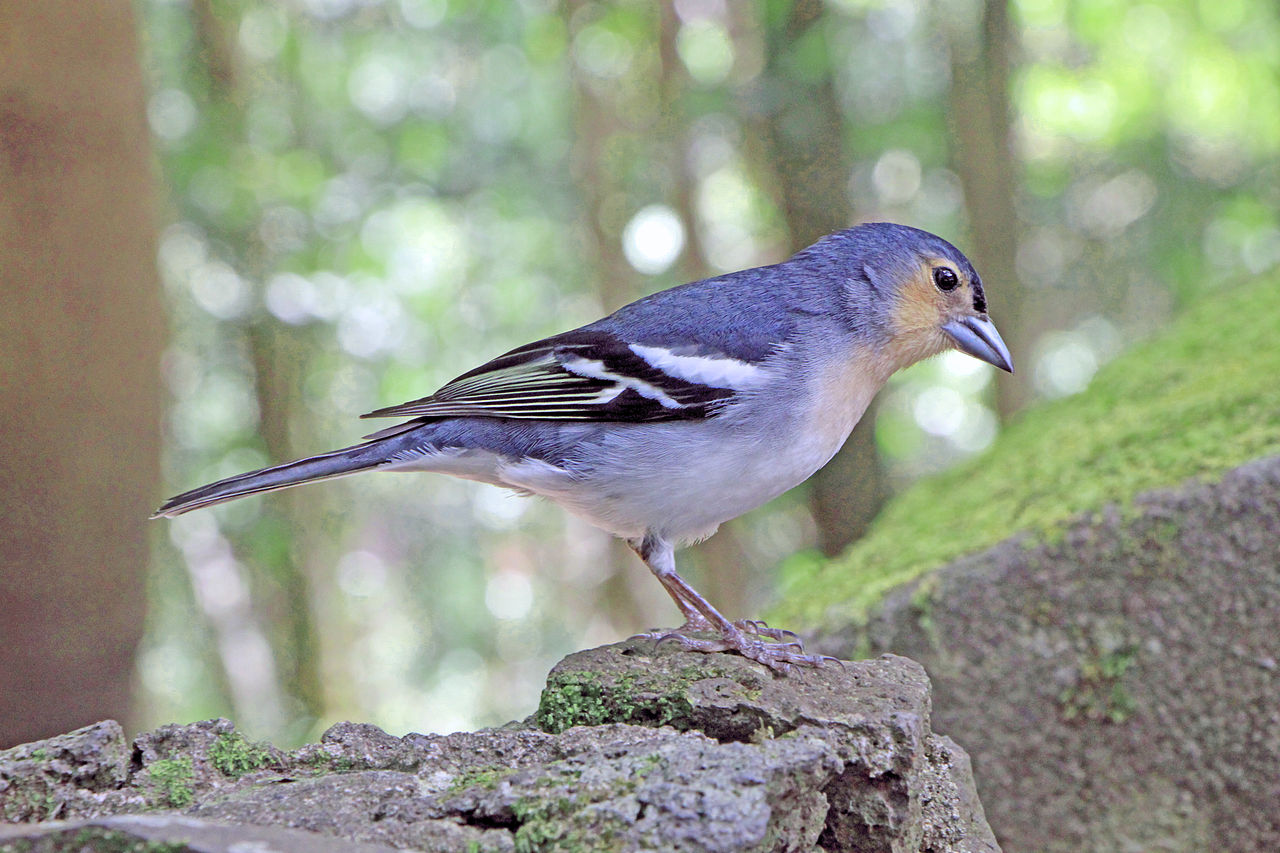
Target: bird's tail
x,y
336,463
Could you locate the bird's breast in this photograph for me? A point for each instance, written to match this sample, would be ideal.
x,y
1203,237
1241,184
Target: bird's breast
x,y
841,391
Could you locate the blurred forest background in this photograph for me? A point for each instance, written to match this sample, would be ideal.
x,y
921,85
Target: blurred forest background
x,y
360,199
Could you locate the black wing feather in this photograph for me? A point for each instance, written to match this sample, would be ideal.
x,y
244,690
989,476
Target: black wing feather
x,y
583,375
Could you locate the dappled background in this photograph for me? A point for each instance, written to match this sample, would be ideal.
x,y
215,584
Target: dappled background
x,y
369,198
365,198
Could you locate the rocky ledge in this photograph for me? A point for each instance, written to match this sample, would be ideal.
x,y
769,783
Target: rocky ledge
x,y
632,748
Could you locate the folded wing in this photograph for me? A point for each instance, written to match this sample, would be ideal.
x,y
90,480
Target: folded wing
x,y
589,375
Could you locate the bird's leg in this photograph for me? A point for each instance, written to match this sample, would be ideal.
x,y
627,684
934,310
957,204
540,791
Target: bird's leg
x,y
693,618
693,606
742,637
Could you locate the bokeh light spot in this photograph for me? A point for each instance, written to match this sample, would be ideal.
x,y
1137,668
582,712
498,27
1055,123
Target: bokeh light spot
x,y
653,239
508,595
706,50
171,114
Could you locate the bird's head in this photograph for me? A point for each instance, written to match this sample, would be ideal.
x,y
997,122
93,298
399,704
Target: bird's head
x,y
926,294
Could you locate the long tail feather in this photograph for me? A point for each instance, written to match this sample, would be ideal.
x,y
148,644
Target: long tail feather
x,y
336,463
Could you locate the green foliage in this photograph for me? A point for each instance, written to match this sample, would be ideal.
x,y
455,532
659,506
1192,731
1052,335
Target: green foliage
x,y
1193,402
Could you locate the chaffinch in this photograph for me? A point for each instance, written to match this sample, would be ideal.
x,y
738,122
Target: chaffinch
x,y
686,408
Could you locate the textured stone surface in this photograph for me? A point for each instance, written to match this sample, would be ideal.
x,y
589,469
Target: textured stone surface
x,y
633,748
1117,687
83,773
167,833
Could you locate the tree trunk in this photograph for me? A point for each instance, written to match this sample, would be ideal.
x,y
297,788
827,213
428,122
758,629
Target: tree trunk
x,y
80,341
980,125
284,590
804,133
627,595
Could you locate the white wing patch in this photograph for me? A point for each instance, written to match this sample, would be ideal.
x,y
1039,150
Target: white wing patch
x,y
596,370
717,372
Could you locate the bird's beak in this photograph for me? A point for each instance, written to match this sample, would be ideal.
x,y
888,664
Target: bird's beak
x,y
977,336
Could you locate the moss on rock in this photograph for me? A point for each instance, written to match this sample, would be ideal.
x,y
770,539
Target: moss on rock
x,y
234,755
585,698
1195,401
172,780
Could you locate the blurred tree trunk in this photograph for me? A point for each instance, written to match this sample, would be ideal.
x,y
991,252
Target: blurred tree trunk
x,y
674,130
630,598
284,591
720,567
979,113
81,333
803,131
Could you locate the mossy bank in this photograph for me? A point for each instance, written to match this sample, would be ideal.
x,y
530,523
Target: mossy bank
x,y
1193,402
1096,598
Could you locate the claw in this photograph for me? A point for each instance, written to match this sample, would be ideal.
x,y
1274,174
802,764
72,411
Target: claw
x,y
761,629
743,637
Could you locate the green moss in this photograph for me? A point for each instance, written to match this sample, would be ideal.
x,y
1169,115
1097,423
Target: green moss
x,y
110,841
235,756
583,699
922,604
172,778
542,824
482,777
1196,401
323,762
1099,693
650,763
34,801
571,699
97,839
555,824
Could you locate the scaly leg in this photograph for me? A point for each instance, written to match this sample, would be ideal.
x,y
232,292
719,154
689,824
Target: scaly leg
x,y
742,637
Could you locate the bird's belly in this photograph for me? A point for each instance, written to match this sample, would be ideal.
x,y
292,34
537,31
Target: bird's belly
x,y
678,480
682,487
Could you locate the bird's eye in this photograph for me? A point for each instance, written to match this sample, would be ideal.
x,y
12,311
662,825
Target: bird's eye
x,y
945,278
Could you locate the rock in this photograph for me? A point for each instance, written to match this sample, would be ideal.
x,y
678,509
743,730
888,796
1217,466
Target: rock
x,y
81,773
1117,685
162,833
632,748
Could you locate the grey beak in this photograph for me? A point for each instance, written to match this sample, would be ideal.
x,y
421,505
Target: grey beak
x,y
977,336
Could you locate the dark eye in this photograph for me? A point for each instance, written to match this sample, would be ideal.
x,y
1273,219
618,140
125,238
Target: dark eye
x,y
945,278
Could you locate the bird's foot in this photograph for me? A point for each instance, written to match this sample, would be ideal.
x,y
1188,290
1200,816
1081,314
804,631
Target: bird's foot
x,y
761,629
744,637
756,627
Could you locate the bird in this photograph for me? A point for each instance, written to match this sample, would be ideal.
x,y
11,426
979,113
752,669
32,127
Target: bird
x,y
686,408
